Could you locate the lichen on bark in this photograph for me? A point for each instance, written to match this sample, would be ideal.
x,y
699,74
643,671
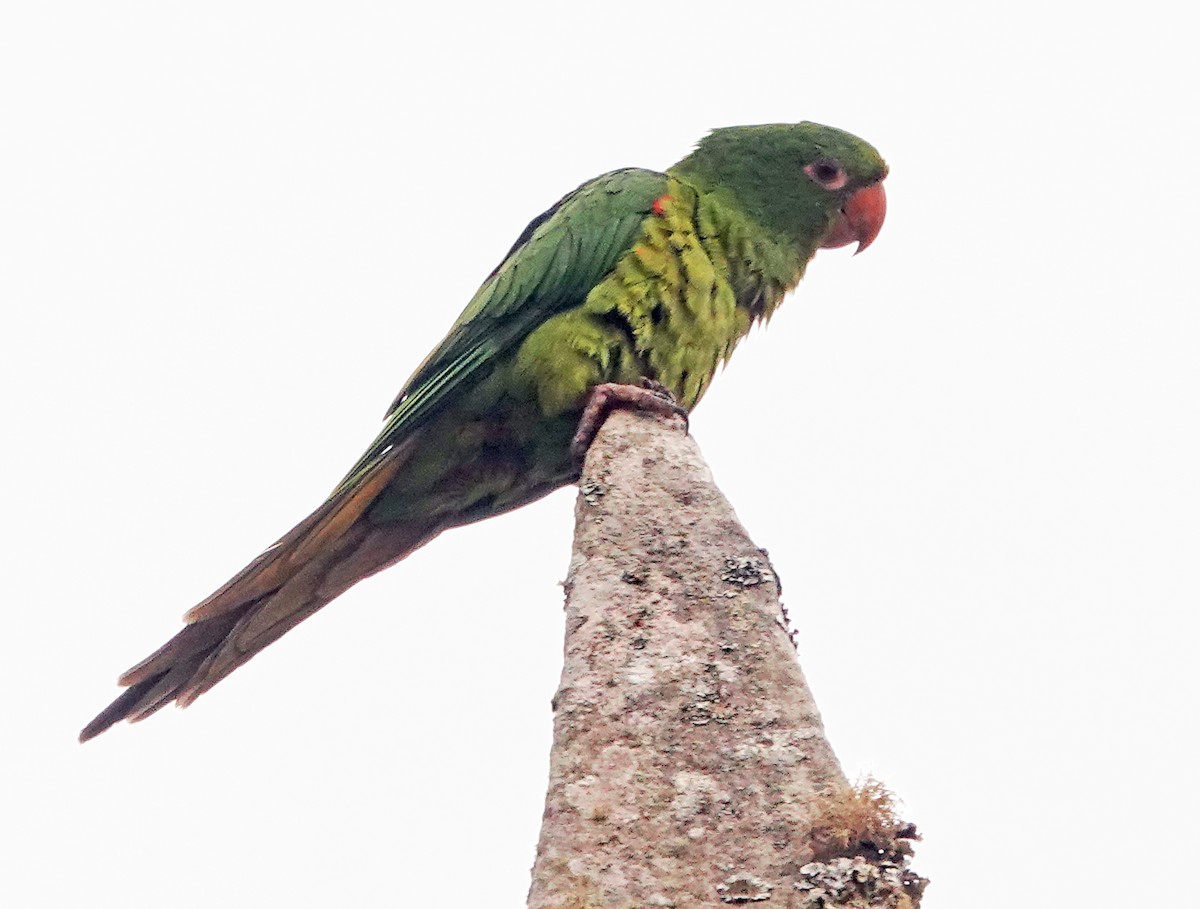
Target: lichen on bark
x,y
689,762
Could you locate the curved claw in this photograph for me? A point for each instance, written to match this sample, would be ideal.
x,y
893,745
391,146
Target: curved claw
x,y
650,396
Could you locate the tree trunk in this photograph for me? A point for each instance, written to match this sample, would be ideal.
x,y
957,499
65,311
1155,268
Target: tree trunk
x,y
689,766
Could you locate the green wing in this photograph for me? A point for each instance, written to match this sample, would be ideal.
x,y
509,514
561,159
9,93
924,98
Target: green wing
x,y
556,261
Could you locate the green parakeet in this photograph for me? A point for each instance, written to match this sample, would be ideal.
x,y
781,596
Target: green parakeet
x,y
634,276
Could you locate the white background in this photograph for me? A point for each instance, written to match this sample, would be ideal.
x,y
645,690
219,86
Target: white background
x,y
228,231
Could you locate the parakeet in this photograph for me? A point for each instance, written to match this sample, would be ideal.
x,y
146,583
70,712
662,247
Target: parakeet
x,y
635,276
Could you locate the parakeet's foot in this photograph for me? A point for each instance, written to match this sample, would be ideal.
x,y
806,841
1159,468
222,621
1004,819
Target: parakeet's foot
x,y
650,395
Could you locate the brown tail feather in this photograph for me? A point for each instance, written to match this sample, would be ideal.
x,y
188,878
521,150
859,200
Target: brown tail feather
x,y
265,600
268,621
145,692
303,542
166,688
117,710
199,637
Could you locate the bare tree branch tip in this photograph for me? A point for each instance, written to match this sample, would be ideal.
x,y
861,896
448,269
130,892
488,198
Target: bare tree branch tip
x,y
690,766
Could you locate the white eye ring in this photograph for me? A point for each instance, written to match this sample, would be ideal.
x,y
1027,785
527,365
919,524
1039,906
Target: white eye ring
x,y
826,172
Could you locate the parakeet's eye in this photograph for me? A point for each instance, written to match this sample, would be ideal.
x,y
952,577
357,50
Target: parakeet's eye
x,y
826,172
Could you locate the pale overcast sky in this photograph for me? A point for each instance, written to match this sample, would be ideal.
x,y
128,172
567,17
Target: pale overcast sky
x,y
229,231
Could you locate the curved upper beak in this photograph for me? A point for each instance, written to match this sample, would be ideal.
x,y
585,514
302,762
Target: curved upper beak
x,y
861,219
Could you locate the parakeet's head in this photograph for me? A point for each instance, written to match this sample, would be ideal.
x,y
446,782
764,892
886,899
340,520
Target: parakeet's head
x,y
817,185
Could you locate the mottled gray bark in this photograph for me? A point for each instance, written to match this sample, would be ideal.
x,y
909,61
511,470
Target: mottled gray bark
x,y
689,760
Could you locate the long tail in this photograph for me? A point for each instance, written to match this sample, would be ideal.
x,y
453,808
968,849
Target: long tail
x,y
320,558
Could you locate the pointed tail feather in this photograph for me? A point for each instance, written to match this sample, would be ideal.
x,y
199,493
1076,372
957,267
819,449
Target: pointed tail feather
x,y
322,557
147,682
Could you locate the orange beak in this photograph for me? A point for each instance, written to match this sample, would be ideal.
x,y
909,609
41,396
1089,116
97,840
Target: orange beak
x,y
861,219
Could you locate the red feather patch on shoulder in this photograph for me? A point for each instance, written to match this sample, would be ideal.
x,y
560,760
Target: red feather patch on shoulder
x,y
658,206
